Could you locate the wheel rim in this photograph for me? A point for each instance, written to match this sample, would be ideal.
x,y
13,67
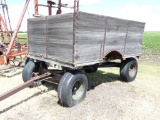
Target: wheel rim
x,y
78,90
132,70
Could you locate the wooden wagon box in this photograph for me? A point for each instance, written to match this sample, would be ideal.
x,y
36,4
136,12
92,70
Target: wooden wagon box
x,y
81,39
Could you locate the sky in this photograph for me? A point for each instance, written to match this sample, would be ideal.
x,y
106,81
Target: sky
x,y
147,11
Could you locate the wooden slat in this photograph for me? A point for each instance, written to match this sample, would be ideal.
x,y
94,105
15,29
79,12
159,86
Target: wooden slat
x,y
133,44
115,35
60,37
37,36
92,51
134,38
89,35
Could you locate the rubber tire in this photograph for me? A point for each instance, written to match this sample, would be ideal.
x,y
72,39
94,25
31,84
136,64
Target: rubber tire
x,y
27,73
37,64
91,69
124,69
27,60
65,88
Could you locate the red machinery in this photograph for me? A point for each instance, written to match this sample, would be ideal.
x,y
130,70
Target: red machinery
x,y
12,49
9,49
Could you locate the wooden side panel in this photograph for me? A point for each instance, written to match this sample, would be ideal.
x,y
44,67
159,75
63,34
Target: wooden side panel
x,y
96,36
89,37
115,35
52,37
134,38
37,36
60,37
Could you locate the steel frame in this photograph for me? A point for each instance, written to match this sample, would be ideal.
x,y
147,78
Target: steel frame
x,y
56,74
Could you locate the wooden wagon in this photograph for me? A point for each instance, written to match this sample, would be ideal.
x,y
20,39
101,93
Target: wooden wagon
x,y
82,41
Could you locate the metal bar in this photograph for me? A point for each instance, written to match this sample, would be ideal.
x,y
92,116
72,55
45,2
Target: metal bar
x,y
46,5
126,38
59,11
6,28
36,7
50,81
8,17
4,12
54,74
18,26
110,64
76,5
105,34
22,86
49,7
18,54
1,30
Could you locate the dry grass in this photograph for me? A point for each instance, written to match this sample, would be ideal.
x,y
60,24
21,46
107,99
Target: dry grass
x,y
108,98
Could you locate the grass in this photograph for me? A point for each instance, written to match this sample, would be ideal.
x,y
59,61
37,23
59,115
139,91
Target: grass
x,y
145,72
149,71
19,40
151,42
22,35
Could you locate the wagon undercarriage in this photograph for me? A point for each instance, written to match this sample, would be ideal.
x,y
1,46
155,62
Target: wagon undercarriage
x,y
73,84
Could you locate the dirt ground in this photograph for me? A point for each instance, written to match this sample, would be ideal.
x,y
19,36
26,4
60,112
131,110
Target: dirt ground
x,y
108,98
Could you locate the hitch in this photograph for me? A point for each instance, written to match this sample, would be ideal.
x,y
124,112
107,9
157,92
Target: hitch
x,y
23,86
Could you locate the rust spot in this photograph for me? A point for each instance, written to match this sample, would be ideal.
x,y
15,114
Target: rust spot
x,y
76,57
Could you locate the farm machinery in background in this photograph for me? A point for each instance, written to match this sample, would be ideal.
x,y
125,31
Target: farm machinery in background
x,y
10,48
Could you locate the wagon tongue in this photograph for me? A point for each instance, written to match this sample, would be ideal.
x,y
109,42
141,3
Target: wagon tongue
x,y
22,86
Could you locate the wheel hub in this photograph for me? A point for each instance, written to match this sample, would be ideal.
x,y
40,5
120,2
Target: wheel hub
x,y
132,70
77,90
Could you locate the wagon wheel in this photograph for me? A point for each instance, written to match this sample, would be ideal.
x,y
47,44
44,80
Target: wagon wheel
x,y
28,73
72,88
31,69
129,69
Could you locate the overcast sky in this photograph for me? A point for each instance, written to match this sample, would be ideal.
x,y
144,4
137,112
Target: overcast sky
x,y
140,10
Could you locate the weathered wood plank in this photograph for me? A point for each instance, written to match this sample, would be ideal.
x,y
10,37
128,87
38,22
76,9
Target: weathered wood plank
x,y
61,53
82,51
60,37
37,36
60,18
133,43
34,50
89,37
